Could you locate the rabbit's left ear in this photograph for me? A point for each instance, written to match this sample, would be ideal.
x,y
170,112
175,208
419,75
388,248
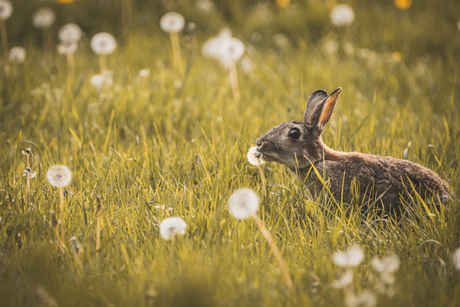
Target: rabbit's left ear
x,y
323,110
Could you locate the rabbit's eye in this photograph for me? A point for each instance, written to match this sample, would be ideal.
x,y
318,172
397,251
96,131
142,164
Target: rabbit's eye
x,y
294,133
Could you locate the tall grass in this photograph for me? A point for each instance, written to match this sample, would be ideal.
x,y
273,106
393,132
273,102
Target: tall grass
x,y
144,146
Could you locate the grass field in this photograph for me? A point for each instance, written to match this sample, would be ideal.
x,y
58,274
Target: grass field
x,y
175,144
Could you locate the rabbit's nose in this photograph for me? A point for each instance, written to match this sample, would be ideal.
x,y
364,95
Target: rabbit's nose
x,y
259,142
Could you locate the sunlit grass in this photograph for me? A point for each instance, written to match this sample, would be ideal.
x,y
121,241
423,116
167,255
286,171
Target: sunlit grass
x,y
148,144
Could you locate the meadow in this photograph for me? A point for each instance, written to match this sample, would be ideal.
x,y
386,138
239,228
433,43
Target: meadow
x,y
173,142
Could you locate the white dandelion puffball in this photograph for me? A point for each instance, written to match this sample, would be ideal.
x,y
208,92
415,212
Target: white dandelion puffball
x,y
386,265
350,258
103,43
211,48
43,18
59,175
172,226
456,259
172,22
69,33
144,73
231,50
344,280
364,299
103,79
252,156
6,9
342,15
17,55
243,203
205,6
66,48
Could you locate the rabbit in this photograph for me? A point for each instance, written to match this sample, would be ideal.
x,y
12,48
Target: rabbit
x,y
380,180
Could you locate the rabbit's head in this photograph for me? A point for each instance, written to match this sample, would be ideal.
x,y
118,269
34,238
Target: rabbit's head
x,y
297,144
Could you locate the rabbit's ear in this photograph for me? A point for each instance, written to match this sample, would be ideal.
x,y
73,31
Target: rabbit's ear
x,y
323,110
315,98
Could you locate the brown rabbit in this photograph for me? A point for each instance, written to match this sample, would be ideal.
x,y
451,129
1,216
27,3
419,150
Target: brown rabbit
x,y
385,179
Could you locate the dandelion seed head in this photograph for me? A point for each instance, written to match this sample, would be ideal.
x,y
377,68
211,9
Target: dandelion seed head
x,y
456,259
211,48
17,55
43,18
344,280
231,50
172,226
243,203
6,9
342,15
103,43
172,22
388,264
69,33
364,299
59,175
349,258
66,48
103,79
254,156
205,6
144,73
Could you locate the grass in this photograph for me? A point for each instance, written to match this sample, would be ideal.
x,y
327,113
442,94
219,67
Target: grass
x,y
145,143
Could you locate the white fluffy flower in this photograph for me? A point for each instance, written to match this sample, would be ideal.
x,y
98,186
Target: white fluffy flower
x,y
66,48
43,18
204,6
59,175
172,226
17,55
350,258
103,43
344,280
342,15
231,50
6,9
70,33
364,299
172,22
386,265
456,259
211,48
243,203
252,156
103,79
144,73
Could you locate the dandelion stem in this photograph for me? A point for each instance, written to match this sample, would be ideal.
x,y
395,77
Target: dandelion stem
x,y
28,179
98,232
176,51
263,180
61,206
103,62
275,250
4,39
234,80
71,64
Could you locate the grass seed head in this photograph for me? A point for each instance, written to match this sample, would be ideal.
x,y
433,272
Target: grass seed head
x,y
43,18
243,203
172,22
349,258
103,43
59,175
172,226
6,9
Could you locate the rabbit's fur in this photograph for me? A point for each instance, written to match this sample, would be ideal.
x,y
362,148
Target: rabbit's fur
x,y
298,145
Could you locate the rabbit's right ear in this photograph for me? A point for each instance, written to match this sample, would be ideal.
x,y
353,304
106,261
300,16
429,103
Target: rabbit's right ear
x,y
315,98
319,110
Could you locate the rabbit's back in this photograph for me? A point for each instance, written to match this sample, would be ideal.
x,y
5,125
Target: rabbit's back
x,y
373,176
